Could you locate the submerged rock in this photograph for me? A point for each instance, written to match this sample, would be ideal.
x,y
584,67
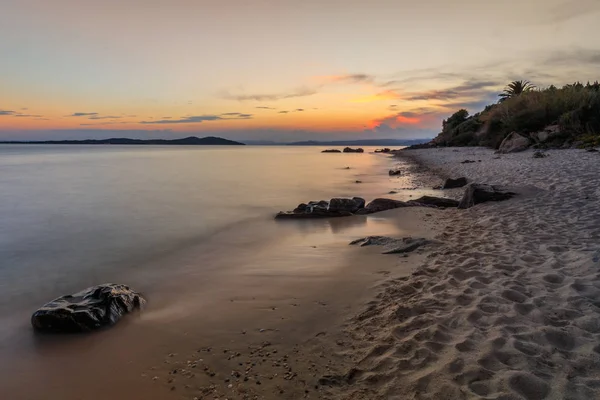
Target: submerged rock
x,y
331,151
514,143
314,214
454,183
392,245
92,308
476,193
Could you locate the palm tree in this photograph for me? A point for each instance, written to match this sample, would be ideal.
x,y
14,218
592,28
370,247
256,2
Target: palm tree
x,y
516,88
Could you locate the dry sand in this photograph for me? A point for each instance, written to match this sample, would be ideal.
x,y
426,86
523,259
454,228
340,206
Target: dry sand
x,y
508,307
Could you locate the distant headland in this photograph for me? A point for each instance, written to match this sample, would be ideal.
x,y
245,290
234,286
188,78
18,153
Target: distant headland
x,y
188,141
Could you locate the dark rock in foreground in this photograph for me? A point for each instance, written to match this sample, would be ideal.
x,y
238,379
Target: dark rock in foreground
x,y
476,193
351,150
331,151
392,245
393,172
93,308
540,154
454,183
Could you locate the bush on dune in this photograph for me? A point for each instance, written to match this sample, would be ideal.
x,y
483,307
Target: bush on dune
x,y
574,108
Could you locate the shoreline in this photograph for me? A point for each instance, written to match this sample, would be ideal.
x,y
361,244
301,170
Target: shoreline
x,y
508,307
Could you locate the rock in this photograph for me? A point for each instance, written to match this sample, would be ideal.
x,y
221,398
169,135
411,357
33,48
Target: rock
x,y
591,150
357,181
548,134
312,215
312,206
434,201
454,183
476,193
93,308
540,154
393,172
331,151
381,204
392,245
514,143
392,192
386,150
348,205
350,150
467,161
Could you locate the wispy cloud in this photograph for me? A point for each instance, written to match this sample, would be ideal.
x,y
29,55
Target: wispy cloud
x,y
200,118
351,78
27,115
572,9
301,92
7,112
266,108
104,117
82,114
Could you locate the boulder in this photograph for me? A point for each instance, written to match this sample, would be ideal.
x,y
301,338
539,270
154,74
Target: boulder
x,y
514,143
454,183
476,193
312,206
393,172
381,204
331,151
95,307
350,205
548,134
350,150
434,202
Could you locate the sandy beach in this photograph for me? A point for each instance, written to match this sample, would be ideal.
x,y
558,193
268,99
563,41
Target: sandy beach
x,y
508,306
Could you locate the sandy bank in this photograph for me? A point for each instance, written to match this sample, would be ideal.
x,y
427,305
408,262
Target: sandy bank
x,y
509,306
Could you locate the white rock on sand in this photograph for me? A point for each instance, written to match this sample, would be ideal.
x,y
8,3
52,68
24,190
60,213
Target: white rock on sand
x,y
508,307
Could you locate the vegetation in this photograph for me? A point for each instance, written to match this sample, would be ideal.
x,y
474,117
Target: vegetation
x,y
569,115
516,88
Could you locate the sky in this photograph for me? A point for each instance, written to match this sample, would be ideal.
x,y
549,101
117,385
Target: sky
x,y
276,69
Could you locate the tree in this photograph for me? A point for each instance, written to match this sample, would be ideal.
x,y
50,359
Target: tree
x,y
516,88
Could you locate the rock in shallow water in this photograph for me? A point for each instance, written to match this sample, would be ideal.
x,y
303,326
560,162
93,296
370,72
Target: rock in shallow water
x,y
92,308
392,245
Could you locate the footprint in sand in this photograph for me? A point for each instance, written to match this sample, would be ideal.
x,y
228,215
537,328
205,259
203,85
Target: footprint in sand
x,y
529,386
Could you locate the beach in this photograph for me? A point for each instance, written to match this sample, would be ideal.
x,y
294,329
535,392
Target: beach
x,y
503,303
508,306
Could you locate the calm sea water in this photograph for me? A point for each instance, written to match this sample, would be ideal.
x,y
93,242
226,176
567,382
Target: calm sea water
x,y
75,216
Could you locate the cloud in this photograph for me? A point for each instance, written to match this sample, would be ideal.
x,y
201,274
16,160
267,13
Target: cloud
x,y
299,109
301,92
27,115
351,78
6,112
266,108
200,118
572,9
283,112
82,114
104,117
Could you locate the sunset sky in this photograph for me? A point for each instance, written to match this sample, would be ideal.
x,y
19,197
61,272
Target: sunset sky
x,y
277,69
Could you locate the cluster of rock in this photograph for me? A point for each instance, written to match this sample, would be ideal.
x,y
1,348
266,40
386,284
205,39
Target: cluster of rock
x,y
384,150
343,207
93,308
346,150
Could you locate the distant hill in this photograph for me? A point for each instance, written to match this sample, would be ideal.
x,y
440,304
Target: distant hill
x,y
366,142
188,141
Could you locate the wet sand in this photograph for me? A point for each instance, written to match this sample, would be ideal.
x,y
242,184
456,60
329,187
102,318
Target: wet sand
x,y
278,312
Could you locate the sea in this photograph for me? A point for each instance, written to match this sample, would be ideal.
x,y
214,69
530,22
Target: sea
x,y
163,219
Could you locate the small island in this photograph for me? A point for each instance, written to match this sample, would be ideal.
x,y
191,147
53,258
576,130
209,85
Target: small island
x,y
188,141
